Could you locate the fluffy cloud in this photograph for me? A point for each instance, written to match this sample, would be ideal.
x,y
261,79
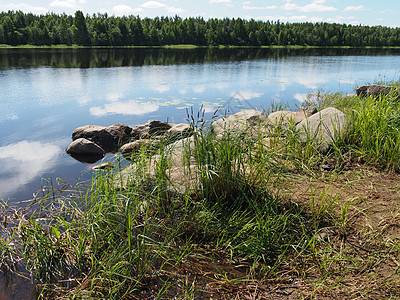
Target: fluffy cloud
x,y
315,6
199,89
159,5
355,8
124,10
248,7
304,18
301,97
220,1
246,95
133,108
24,161
161,88
24,7
64,3
386,11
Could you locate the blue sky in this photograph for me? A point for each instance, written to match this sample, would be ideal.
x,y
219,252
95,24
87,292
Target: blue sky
x,y
382,12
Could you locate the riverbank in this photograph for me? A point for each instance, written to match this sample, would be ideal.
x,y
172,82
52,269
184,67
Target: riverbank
x,y
270,217
190,46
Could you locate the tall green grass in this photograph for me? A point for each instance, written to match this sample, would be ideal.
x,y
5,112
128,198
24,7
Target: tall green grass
x,y
98,240
372,136
142,237
375,132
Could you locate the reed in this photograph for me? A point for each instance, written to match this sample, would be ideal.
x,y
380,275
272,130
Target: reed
x,y
146,240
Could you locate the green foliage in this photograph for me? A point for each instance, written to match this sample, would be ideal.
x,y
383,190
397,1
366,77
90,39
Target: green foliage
x,y
117,238
375,132
101,241
16,28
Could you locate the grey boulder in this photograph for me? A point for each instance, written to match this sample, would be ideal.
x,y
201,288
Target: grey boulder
x,y
150,129
323,128
85,151
375,90
108,138
250,121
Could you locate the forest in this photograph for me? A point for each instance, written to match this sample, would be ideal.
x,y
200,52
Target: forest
x,y
18,28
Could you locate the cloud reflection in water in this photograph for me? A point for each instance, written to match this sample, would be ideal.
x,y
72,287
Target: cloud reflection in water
x,y
23,161
124,108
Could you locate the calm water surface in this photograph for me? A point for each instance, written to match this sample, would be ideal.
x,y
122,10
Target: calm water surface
x,y
46,94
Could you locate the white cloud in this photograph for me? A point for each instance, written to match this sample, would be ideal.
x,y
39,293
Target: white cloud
x,y
355,8
221,85
153,4
247,7
315,6
130,108
114,96
159,5
282,18
64,3
386,11
209,109
245,95
290,6
24,7
199,89
220,1
161,88
23,161
301,97
84,100
304,18
311,82
125,10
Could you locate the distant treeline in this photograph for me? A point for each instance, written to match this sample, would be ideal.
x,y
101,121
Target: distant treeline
x,y
18,28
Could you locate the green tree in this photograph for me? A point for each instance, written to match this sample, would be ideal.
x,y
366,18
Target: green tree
x,y
80,34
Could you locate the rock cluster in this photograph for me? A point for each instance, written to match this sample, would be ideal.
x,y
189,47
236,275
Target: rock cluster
x,y
322,127
90,143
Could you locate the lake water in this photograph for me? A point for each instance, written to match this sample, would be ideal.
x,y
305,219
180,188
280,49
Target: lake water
x,y
46,93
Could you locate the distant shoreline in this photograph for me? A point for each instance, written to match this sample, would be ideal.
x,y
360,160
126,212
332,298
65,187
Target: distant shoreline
x,y
183,46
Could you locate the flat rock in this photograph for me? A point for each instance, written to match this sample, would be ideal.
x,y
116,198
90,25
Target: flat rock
x,y
323,127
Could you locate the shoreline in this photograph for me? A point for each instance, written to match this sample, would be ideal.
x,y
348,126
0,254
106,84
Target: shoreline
x,y
257,208
184,46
